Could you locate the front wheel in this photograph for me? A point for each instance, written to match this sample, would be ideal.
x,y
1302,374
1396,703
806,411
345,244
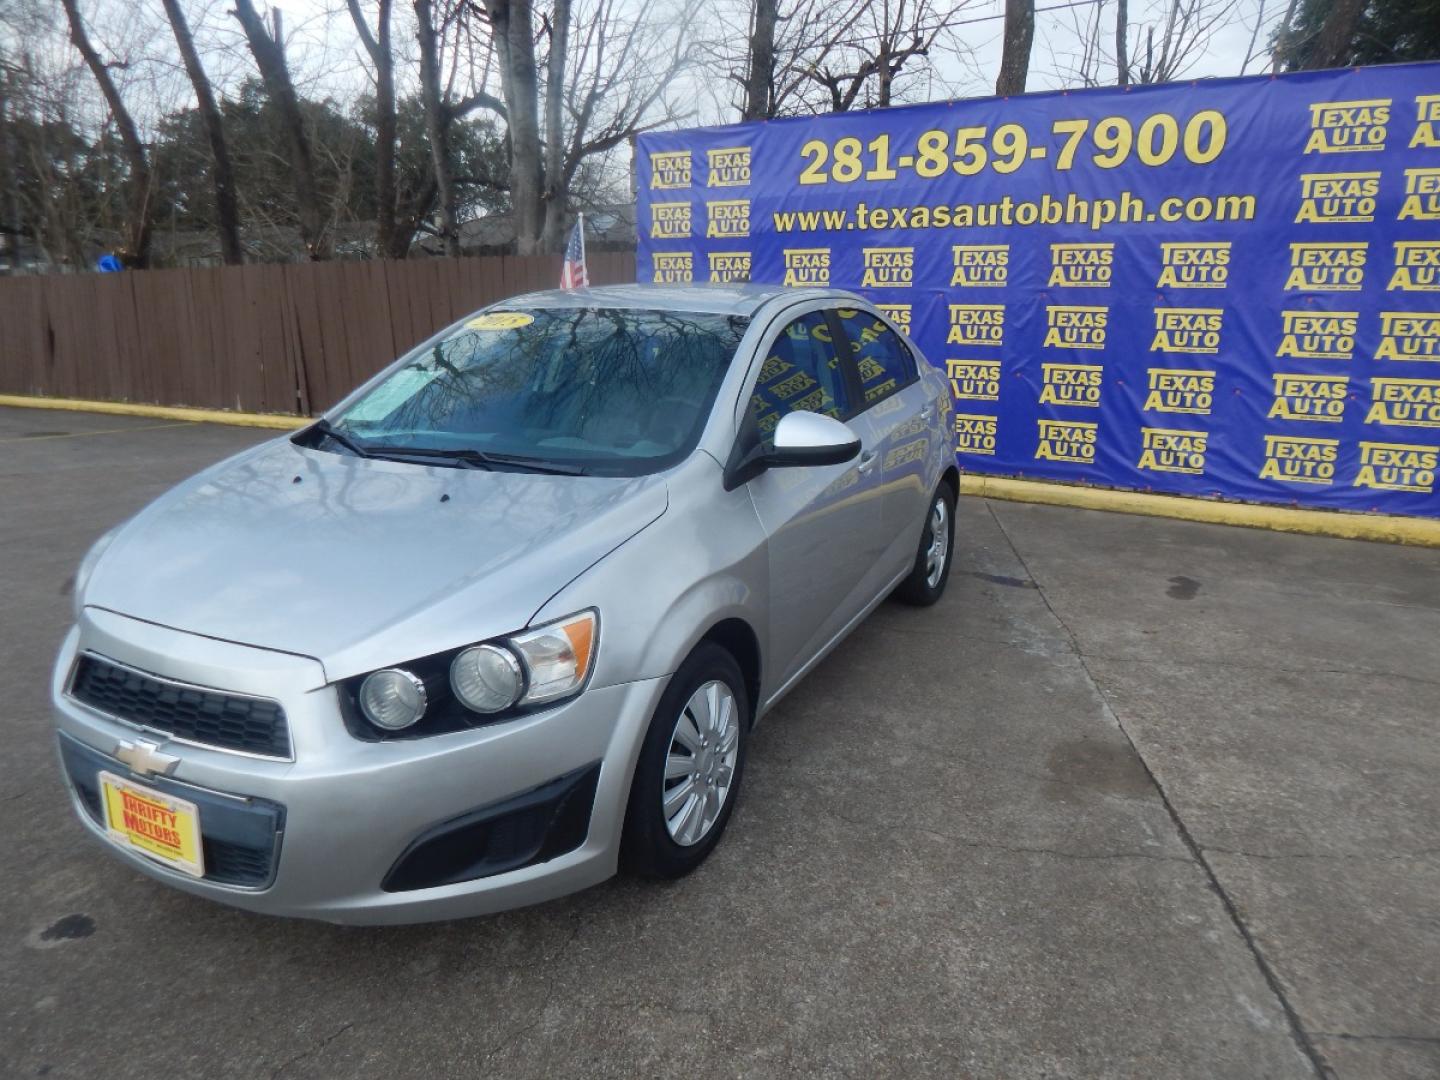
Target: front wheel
x,y
926,582
688,775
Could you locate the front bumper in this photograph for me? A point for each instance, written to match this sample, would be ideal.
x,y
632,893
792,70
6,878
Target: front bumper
x,y
345,811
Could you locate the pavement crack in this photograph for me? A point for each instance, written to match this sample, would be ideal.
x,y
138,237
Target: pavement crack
x,y
963,761
630,1006
890,628
1272,979
994,845
1349,1036
1269,669
516,1034
1021,849
317,1048
1383,856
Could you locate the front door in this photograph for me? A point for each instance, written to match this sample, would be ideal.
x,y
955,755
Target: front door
x,y
823,524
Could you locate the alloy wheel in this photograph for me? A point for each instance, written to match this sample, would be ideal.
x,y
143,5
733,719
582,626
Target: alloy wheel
x,y
939,543
700,764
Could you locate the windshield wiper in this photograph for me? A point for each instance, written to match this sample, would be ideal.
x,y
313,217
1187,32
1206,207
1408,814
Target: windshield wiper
x,y
532,464
481,459
478,459
336,435
459,459
464,457
327,429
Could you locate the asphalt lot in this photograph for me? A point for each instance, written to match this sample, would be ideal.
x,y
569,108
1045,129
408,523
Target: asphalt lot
x,y
1139,798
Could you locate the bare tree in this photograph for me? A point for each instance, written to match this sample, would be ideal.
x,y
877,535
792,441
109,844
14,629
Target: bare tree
x,y
1084,61
803,57
456,50
759,79
1183,38
227,213
1251,48
9,198
1122,44
1171,37
382,57
513,34
872,49
556,179
437,123
608,73
136,252
269,53
1015,51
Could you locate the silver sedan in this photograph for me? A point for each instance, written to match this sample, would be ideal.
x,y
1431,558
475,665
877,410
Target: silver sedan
x,y
502,622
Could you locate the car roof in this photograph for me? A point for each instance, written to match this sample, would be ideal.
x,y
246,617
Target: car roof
x,y
714,299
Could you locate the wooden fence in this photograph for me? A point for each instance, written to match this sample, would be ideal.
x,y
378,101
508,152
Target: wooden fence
x,y
276,339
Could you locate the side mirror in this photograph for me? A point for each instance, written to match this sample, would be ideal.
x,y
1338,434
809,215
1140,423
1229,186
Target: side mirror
x,y
807,438
801,439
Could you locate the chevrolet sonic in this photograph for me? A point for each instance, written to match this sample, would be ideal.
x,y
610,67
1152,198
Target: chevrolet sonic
x,y
501,622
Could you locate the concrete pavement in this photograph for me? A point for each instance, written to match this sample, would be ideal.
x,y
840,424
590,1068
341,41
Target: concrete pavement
x,y
1138,799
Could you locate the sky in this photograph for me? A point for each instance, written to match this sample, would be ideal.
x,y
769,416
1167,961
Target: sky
x,y
326,55
965,75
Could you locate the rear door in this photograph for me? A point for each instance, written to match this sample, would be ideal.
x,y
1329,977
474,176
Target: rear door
x,y
824,525
896,416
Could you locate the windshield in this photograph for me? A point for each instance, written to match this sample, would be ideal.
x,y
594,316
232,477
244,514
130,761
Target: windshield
x,y
610,391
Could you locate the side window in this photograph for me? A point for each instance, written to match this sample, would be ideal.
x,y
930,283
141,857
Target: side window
x,y
885,363
801,373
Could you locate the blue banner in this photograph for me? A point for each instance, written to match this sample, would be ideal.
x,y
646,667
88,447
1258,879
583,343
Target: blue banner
x,y
1226,288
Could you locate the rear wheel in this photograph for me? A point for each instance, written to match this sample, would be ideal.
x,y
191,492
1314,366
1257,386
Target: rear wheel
x,y
926,583
690,767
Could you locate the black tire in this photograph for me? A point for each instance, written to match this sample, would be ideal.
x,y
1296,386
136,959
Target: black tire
x,y
647,847
919,590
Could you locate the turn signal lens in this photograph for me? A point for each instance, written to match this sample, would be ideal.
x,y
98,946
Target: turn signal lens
x,y
486,678
392,698
557,656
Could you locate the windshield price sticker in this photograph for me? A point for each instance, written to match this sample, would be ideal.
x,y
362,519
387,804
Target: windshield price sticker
x,y
500,320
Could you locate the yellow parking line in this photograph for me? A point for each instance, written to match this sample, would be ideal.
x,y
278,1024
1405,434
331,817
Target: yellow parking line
x,y
103,431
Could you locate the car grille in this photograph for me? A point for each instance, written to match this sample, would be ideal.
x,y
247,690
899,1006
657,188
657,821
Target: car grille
x,y
209,717
244,855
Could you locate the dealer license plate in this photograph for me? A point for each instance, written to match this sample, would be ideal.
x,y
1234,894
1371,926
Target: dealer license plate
x,y
149,821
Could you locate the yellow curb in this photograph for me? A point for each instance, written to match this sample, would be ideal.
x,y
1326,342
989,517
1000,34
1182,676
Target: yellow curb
x,y
1424,532
162,412
1391,529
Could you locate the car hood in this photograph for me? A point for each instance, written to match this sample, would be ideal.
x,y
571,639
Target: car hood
x,y
361,563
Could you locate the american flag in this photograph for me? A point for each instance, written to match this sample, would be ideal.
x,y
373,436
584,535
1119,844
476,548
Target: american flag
x,y
573,274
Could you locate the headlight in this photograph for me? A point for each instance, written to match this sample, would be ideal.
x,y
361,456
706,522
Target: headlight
x,y
392,699
486,678
489,681
557,656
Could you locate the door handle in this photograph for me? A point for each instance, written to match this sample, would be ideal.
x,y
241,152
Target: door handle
x,y
868,459
928,411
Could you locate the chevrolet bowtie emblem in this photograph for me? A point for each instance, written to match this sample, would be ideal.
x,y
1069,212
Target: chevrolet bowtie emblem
x,y
145,758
